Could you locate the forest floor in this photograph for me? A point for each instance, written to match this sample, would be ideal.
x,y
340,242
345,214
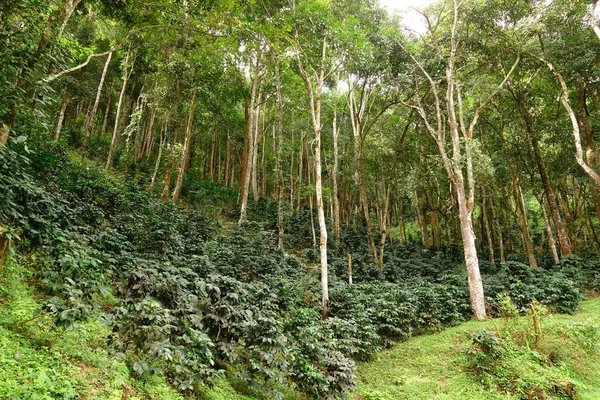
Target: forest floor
x,y
434,366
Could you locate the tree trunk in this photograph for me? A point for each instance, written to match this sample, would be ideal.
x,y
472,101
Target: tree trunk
x,y
499,237
576,132
185,153
106,112
113,141
163,138
314,95
278,166
256,137
336,200
434,220
61,118
486,224
523,222
563,239
91,117
148,138
422,220
247,166
383,225
213,146
468,237
169,167
349,269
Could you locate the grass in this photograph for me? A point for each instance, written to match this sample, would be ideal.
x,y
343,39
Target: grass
x,y
435,367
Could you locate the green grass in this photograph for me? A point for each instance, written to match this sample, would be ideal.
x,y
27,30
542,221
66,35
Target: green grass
x,y
434,366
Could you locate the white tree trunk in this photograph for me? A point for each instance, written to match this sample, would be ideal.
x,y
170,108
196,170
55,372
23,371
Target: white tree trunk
x,y
91,117
113,141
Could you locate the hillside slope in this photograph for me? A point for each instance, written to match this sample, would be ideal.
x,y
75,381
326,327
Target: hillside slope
x,y
435,366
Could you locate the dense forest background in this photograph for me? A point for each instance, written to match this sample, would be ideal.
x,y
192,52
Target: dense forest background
x,y
277,189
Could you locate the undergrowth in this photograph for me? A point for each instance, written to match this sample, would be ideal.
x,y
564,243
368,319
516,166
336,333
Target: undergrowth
x,y
173,297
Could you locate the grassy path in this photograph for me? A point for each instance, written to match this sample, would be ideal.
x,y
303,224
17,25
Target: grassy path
x,y
432,366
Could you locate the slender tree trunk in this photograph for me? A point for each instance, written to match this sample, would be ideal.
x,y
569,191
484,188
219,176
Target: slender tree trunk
x,y
498,232
227,161
148,138
163,138
576,132
61,118
402,224
256,137
314,95
523,222
563,239
91,117
300,170
312,219
349,269
365,206
185,153
113,141
566,211
169,167
486,224
213,146
278,167
434,220
422,221
336,200
292,168
247,167
383,225
106,112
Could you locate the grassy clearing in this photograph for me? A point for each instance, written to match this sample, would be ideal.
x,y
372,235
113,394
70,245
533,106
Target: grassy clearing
x,y
434,366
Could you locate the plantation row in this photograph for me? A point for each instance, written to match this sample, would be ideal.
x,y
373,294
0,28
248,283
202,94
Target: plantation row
x,y
188,298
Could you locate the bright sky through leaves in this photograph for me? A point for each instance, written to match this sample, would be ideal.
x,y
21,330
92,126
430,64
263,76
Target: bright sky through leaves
x,y
411,19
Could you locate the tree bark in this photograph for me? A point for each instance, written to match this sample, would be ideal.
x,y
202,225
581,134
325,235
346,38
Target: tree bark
x,y
334,181
247,167
185,152
163,138
486,224
113,141
576,133
563,239
278,167
61,117
91,117
169,167
314,96
522,221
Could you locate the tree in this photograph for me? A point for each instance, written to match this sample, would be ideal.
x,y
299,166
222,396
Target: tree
x,y
461,137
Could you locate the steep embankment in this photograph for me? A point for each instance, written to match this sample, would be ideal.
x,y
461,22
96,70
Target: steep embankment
x,y
440,366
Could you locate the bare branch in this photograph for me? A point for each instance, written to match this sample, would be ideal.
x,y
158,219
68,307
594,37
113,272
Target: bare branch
x,y
500,86
52,77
